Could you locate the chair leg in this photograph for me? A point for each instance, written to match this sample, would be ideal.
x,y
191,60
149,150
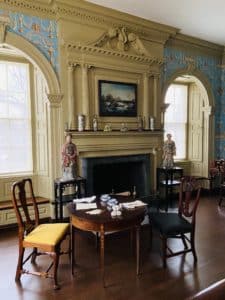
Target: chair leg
x,y
19,264
150,236
34,255
56,263
193,247
184,241
164,250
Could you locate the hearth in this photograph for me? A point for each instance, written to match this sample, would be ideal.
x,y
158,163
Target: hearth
x,y
117,173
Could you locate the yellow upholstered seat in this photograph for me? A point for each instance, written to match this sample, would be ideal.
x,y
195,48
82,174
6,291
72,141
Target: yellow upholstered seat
x,y
47,234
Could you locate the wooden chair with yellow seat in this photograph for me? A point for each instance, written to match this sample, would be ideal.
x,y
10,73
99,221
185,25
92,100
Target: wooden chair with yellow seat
x,y
43,238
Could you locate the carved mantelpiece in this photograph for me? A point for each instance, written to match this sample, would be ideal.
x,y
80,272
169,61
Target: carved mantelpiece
x,y
116,143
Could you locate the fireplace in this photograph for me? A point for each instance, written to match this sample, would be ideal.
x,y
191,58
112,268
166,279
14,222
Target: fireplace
x,y
117,173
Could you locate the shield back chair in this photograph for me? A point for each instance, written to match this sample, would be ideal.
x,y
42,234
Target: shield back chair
x,y
41,238
179,224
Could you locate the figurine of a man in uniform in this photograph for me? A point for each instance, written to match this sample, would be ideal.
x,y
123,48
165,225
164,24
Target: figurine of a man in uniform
x,y
169,150
69,158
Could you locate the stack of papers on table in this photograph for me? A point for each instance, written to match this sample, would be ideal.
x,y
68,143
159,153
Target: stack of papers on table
x,y
86,199
80,206
133,204
94,212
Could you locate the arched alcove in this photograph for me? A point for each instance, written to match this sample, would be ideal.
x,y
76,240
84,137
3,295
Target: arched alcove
x,y
53,97
195,77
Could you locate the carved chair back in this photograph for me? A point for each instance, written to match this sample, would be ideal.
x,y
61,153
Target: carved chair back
x,y
20,190
189,196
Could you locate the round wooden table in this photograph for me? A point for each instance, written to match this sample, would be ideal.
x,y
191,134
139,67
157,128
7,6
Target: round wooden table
x,y
103,223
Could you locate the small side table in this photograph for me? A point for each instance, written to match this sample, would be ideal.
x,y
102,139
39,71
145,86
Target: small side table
x,y
168,179
79,183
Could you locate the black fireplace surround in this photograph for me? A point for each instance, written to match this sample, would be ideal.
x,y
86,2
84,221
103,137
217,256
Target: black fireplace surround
x,y
118,174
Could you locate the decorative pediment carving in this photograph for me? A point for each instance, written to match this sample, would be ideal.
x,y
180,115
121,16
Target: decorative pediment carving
x,y
191,65
4,22
120,39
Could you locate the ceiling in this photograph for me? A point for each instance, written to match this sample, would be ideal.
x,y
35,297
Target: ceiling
x,y
202,18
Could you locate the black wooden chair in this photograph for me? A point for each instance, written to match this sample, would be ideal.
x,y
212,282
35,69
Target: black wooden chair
x,y
181,224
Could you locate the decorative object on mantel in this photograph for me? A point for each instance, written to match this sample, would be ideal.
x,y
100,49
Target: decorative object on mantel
x,y
117,99
140,123
69,158
123,127
152,123
95,123
81,122
107,128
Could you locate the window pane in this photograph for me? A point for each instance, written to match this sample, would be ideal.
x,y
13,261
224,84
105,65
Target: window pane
x,y
176,117
15,120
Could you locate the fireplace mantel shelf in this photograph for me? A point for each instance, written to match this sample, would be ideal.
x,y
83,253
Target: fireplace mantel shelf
x,y
102,133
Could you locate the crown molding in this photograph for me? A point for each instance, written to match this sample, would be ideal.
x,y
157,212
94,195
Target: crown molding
x,y
189,42
42,8
88,13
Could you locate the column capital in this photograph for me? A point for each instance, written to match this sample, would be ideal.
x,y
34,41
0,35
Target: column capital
x,y
72,65
55,99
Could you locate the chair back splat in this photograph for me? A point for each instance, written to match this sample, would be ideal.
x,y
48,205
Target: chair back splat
x,y
186,207
19,191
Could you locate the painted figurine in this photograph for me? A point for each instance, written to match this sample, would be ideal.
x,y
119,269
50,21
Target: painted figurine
x,y
69,158
169,150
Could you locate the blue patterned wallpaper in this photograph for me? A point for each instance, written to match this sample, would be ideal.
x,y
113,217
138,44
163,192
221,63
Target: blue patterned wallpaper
x,y
176,60
42,33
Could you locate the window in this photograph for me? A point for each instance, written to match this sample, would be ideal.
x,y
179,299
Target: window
x,y
15,118
176,117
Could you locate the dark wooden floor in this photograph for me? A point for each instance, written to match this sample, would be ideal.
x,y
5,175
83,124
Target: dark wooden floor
x,y
178,281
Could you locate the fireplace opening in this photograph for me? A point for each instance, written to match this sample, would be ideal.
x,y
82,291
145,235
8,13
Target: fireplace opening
x,y
118,174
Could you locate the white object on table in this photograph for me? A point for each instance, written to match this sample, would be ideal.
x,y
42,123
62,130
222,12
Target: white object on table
x,y
83,200
94,212
133,204
80,206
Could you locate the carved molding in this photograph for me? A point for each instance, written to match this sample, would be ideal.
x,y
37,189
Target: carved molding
x,y
31,5
55,99
4,22
121,39
78,47
191,64
83,11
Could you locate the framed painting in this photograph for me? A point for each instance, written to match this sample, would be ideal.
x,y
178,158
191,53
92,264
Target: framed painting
x,y
117,99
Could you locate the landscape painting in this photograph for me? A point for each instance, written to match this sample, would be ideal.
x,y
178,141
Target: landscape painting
x,y
117,99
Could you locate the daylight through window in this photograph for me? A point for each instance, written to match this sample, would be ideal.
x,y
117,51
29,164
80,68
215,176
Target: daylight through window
x,y
176,117
15,118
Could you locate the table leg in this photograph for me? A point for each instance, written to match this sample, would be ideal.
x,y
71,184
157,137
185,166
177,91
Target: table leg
x,y
60,204
72,240
138,250
102,253
167,191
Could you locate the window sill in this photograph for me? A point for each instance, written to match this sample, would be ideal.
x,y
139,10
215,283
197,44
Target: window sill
x,y
15,175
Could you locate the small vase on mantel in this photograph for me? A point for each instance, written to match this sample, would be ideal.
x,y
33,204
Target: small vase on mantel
x,y
152,123
140,123
95,123
81,122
